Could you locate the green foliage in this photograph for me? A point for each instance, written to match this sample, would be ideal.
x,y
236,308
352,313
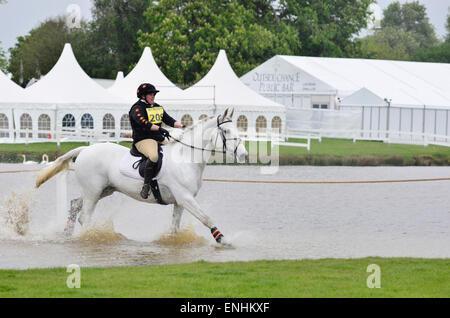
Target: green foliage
x,y
110,40
185,37
3,60
405,30
36,53
390,43
439,54
327,27
447,26
412,18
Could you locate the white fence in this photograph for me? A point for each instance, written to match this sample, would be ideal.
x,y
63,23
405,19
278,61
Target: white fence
x,y
117,135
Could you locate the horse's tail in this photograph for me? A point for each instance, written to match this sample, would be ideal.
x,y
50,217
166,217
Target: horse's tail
x,y
60,164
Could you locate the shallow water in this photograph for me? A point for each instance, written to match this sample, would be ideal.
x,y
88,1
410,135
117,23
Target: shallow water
x,y
263,221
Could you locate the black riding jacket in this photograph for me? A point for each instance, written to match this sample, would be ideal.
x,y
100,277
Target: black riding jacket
x,y
143,116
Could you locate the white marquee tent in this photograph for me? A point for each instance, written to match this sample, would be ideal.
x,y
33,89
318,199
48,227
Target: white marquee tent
x,y
66,96
146,71
221,88
301,81
171,97
10,94
369,94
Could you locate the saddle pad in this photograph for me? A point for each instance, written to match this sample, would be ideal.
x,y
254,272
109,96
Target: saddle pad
x,y
126,167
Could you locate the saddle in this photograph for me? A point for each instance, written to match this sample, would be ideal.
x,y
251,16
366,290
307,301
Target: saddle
x,y
140,166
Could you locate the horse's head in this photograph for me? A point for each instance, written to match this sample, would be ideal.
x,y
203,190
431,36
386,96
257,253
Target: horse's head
x,y
227,137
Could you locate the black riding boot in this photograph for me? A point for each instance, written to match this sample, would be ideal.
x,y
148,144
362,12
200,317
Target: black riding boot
x,y
149,173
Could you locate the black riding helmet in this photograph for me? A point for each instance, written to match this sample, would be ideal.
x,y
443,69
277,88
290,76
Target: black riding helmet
x,y
145,89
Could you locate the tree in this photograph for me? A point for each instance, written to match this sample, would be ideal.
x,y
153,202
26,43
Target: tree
x,y
3,60
185,37
447,26
112,36
389,44
36,53
326,27
410,17
438,54
405,29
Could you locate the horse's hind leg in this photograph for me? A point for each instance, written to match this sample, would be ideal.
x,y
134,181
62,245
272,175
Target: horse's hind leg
x,y
89,203
75,207
176,219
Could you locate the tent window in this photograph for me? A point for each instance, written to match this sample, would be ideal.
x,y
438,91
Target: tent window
x,y
276,125
316,106
26,123
261,124
187,120
109,124
4,125
43,125
203,116
87,121
242,123
323,106
125,124
68,121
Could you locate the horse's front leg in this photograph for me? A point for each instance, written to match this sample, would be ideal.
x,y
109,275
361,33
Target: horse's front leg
x,y
190,204
176,218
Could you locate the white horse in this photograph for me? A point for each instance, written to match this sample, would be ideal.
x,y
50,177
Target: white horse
x,y
97,170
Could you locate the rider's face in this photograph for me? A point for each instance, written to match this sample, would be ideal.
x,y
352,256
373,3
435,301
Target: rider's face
x,y
150,98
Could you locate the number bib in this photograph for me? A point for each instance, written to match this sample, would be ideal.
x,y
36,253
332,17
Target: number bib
x,y
155,114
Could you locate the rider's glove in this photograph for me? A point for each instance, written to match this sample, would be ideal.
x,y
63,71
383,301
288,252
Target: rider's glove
x,y
164,132
184,126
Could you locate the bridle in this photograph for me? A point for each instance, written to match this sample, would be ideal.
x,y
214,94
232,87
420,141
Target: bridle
x,y
219,132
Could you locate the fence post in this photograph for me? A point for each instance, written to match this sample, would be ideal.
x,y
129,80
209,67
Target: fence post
x,y
423,122
61,197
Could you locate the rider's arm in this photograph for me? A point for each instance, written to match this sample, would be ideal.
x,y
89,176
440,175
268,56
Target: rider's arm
x,y
168,120
137,115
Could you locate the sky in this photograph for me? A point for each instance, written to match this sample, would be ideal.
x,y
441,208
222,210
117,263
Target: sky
x,y
18,17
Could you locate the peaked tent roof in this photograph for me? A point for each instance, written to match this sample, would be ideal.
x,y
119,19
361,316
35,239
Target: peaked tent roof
x,y
9,91
363,97
221,86
146,71
67,83
406,83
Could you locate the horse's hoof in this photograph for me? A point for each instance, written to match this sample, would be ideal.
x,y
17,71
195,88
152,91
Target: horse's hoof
x,y
68,230
67,233
225,244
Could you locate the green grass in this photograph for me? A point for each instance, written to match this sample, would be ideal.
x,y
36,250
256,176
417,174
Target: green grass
x,y
345,147
329,152
400,277
344,152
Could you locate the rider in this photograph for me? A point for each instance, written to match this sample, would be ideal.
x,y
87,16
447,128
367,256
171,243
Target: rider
x,y
146,117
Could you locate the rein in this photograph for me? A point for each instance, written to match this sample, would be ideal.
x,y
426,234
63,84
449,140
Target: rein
x,y
222,134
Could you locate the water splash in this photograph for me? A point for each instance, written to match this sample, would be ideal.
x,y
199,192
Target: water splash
x,y
16,212
185,236
101,233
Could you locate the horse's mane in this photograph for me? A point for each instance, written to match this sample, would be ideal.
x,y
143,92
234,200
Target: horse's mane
x,y
190,128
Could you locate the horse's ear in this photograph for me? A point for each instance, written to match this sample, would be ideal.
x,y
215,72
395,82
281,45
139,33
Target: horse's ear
x,y
232,113
225,114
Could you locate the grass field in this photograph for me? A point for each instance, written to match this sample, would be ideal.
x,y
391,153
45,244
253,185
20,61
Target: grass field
x,y
400,277
328,152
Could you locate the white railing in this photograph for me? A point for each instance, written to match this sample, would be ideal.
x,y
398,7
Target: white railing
x,y
118,135
416,138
